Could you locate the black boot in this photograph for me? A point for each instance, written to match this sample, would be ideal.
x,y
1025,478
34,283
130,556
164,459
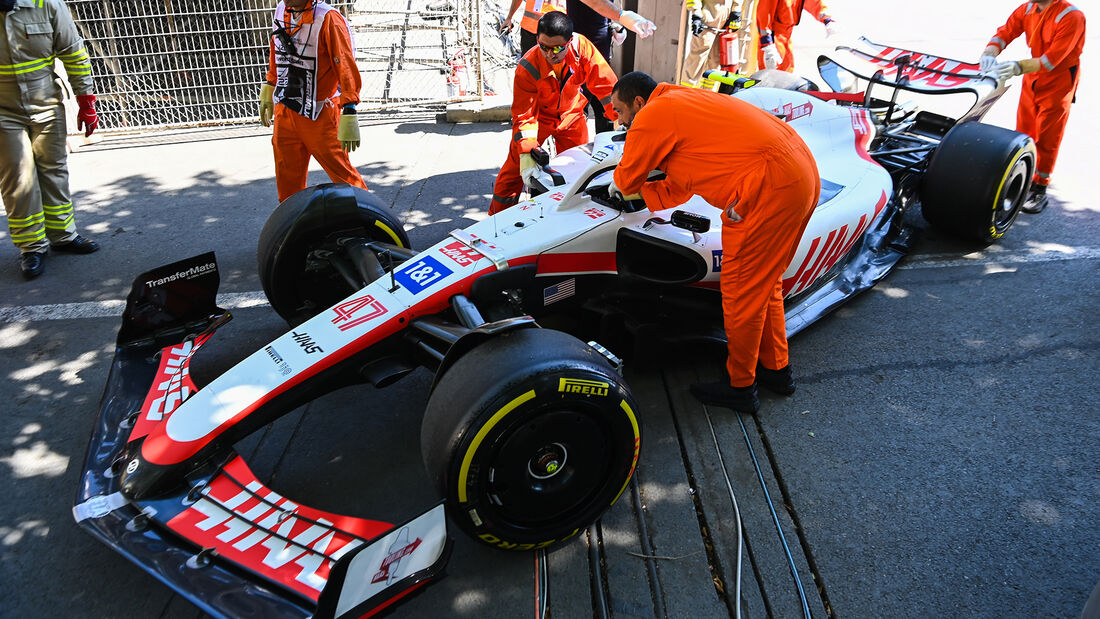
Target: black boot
x,y
779,381
79,245
32,263
720,393
1036,200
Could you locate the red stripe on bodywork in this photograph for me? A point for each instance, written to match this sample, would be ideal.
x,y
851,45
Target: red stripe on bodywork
x,y
161,449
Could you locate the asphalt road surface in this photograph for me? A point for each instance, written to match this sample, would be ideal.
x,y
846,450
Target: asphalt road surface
x,y
938,459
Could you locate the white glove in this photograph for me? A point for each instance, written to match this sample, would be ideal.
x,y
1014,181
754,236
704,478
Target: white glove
x,y
613,191
618,35
640,25
772,59
987,62
1006,70
527,168
832,29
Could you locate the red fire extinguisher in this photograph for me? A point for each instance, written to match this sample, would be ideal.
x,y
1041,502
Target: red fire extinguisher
x,y
729,57
727,46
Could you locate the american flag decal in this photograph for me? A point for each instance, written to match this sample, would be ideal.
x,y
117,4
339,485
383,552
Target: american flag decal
x,y
559,291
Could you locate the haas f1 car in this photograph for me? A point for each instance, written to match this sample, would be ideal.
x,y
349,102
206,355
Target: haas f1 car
x,y
530,433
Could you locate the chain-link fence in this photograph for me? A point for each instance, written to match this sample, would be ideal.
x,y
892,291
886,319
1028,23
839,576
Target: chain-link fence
x,y
165,63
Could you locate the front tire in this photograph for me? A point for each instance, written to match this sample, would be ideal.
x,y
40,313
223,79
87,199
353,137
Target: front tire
x,y
977,181
531,437
311,244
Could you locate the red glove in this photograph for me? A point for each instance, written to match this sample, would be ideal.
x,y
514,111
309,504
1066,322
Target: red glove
x,y
86,117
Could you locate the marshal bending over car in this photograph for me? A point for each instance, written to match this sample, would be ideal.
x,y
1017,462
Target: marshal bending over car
x,y
530,433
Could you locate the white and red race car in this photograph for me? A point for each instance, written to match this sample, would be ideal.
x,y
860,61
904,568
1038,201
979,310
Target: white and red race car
x,y
530,433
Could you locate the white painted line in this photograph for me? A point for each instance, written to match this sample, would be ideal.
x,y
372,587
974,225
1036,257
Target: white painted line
x,y
240,300
107,309
999,258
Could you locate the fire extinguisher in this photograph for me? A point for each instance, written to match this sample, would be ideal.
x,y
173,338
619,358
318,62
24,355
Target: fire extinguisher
x,y
729,56
456,86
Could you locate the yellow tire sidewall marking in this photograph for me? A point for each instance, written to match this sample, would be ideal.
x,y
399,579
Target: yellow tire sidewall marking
x,y
1001,188
464,470
637,446
389,231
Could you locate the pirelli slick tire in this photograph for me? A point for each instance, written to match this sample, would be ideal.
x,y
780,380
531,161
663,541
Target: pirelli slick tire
x,y
307,240
977,181
531,437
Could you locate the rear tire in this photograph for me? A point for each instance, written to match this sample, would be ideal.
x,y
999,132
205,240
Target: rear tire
x,y
977,181
531,437
320,221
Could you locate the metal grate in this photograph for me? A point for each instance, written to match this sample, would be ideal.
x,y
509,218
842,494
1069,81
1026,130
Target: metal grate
x,y
173,63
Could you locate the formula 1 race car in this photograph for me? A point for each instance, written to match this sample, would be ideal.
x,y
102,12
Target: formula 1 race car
x,y
530,433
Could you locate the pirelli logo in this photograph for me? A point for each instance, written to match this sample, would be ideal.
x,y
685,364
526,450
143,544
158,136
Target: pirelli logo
x,y
583,387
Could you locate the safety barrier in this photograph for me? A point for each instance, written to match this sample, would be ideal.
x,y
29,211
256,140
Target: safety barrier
x,y
178,63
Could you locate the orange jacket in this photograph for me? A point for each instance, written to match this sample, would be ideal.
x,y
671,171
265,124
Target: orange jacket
x,y
706,143
1055,36
533,10
340,71
772,15
540,96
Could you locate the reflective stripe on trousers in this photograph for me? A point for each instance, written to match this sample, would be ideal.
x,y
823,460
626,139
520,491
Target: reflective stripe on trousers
x,y
34,179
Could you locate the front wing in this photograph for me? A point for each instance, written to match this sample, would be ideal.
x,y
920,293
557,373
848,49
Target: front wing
x,y
224,541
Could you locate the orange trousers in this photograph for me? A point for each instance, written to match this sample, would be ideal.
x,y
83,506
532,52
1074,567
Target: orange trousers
x,y
782,39
297,138
509,183
1043,113
755,252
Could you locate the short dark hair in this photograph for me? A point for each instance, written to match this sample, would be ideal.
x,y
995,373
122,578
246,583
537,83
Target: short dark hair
x,y
556,24
634,84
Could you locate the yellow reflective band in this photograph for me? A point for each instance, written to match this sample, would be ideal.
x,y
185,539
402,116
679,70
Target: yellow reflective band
x,y
77,55
26,221
30,236
464,469
58,209
60,225
27,63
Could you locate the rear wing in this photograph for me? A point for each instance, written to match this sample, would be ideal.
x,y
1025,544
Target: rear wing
x,y
902,69
222,539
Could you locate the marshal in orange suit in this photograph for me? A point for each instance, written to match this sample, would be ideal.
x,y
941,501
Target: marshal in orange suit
x,y
775,21
1055,34
312,88
547,100
761,175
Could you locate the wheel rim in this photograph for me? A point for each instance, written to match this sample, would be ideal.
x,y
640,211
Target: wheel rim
x,y
550,465
1012,196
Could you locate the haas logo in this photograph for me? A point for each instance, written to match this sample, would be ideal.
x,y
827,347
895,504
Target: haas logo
x,y
306,342
793,112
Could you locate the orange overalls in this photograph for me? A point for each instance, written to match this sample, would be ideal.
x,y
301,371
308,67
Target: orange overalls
x,y
297,137
733,155
547,101
1055,36
776,19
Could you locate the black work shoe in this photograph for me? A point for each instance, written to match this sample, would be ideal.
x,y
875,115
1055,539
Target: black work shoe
x,y
32,263
740,399
779,381
79,245
1036,200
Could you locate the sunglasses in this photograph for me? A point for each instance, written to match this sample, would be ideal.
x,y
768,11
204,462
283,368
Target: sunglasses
x,y
553,49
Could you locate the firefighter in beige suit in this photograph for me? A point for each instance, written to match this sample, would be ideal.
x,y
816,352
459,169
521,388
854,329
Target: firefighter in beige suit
x,y
703,51
34,179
